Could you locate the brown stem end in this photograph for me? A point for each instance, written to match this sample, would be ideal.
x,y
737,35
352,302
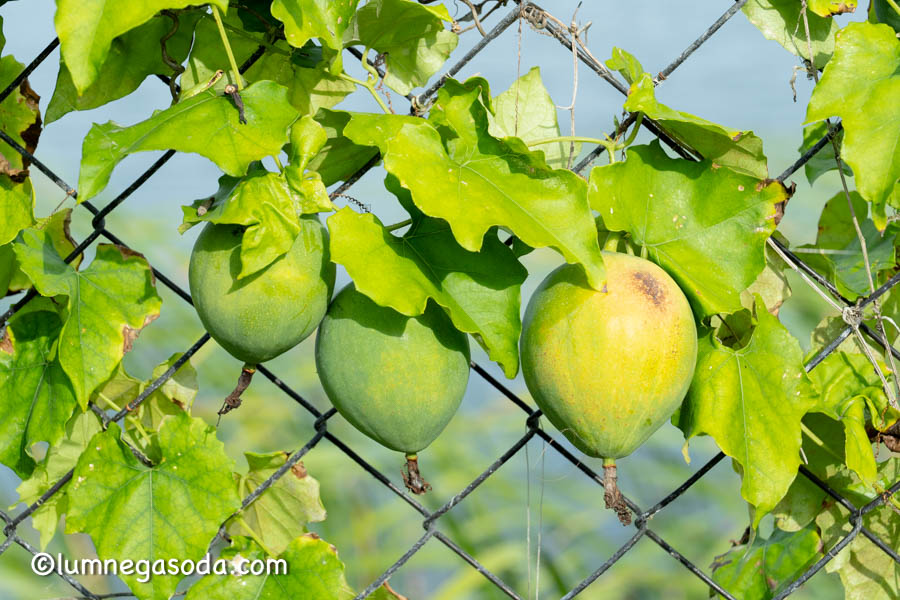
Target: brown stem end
x,y
234,398
613,496
411,476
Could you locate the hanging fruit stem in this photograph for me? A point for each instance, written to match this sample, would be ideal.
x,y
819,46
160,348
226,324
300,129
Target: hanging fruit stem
x,y
411,476
233,400
611,494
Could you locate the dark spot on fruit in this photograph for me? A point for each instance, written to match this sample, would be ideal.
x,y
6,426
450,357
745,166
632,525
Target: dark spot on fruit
x,y
650,287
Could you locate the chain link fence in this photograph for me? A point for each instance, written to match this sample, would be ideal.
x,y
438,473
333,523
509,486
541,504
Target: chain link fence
x,y
540,19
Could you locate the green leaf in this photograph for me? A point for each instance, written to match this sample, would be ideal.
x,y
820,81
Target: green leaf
x,y
475,181
782,22
339,158
132,58
763,568
170,510
867,108
739,150
822,161
848,383
36,397
837,252
751,401
411,36
60,459
626,64
16,207
479,290
706,226
310,86
206,124
307,138
313,572
880,11
323,19
261,201
526,111
772,285
7,267
108,304
20,118
281,513
827,8
86,30
57,228
866,572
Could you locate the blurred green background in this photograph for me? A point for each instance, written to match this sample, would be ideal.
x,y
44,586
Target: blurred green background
x,y
537,501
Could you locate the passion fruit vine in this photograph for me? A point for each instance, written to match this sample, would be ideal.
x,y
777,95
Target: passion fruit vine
x,y
397,379
609,368
265,314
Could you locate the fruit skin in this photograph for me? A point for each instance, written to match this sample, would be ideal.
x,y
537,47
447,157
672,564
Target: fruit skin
x,y
265,314
608,369
397,379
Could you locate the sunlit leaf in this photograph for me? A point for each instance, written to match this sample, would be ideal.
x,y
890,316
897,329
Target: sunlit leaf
x,y
282,512
323,19
475,181
86,30
751,401
412,37
782,21
207,124
685,212
36,397
106,307
170,510
479,290
526,111
867,108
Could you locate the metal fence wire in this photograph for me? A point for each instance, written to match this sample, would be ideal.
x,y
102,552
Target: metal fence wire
x,y
540,19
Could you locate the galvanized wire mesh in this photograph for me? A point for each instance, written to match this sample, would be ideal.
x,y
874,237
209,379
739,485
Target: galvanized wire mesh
x,y
537,18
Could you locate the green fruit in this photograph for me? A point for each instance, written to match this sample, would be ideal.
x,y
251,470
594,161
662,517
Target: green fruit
x,y
608,369
397,379
265,314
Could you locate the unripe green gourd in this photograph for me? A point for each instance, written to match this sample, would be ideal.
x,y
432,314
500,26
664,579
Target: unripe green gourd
x,y
609,368
262,315
397,379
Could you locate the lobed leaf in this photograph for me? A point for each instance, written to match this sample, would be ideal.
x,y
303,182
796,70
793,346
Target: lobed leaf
x,y
206,124
480,291
170,510
782,21
475,181
526,111
751,401
685,212
107,305
282,512
36,397
132,57
867,108
87,28
412,38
